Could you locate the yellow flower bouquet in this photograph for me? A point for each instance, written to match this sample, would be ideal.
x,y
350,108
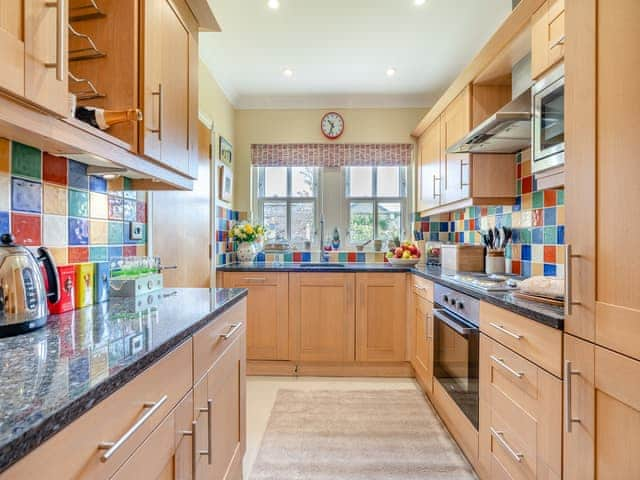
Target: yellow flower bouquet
x,y
246,232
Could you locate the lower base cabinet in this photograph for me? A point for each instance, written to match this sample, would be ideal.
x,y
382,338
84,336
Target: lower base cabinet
x,y
422,359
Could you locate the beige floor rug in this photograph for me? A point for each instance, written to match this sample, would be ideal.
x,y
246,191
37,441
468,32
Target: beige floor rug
x,y
357,435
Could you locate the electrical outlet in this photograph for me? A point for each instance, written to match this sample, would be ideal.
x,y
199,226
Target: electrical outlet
x,y
137,230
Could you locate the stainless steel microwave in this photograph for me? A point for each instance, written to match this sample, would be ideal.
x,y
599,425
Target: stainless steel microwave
x,y
547,134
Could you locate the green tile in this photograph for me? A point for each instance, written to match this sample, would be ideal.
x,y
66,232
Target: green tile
x,y
116,233
537,199
492,210
525,235
519,157
78,203
98,254
342,257
506,220
507,251
519,187
126,183
550,235
434,227
26,161
288,257
472,237
560,197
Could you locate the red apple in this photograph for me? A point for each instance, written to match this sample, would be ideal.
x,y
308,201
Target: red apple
x,y
398,252
413,249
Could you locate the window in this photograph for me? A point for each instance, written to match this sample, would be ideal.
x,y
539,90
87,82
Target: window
x,y
286,202
376,198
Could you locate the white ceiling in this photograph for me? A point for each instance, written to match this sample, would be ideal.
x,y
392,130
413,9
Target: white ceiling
x,y
341,49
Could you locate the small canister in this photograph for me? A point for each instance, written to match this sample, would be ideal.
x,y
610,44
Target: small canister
x,y
67,302
84,284
101,287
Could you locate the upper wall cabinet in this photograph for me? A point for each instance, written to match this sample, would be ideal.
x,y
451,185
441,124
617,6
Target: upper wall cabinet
x,y
547,37
33,52
429,175
455,123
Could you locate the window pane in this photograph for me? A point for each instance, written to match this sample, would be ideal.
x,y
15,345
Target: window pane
x,y
389,215
360,222
360,182
302,182
389,182
275,220
302,221
275,181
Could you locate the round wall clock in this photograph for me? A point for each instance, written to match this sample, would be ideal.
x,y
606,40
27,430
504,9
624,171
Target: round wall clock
x,y
332,125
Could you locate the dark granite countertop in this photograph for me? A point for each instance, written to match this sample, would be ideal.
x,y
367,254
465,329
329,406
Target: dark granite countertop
x,y
539,312
53,375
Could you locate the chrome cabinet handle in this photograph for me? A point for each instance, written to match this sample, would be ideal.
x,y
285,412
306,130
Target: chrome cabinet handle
x,y
462,165
568,277
568,416
517,456
195,453
501,362
160,98
504,330
435,178
559,41
112,447
418,287
254,279
60,37
208,409
232,330
426,325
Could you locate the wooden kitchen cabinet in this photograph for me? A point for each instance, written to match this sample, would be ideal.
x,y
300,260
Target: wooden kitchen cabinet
x,y
322,317
429,181
381,317
547,37
455,124
12,56
422,359
520,416
602,413
267,312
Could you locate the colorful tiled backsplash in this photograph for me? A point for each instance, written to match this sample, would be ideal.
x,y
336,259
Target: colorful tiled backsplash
x,y
314,256
537,220
225,248
48,200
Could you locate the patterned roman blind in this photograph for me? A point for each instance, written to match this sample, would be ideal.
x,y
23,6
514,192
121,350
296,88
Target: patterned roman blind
x,y
331,155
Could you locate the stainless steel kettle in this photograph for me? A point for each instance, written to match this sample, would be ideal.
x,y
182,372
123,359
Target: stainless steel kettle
x,y
23,295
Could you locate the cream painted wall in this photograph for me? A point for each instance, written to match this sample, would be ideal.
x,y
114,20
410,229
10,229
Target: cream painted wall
x,y
303,126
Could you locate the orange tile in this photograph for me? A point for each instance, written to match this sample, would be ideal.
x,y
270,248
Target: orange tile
x,y
141,250
550,254
526,201
5,155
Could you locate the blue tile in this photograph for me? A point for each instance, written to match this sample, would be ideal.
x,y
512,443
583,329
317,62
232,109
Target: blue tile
x,y
261,257
549,270
452,226
515,235
78,175
560,234
444,226
26,196
434,236
115,252
537,235
499,220
525,269
518,205
4,222
525,252
498,210
97,184
306,256
461,239
78,231
550,216
361,257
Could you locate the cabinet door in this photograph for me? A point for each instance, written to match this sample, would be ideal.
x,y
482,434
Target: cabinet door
x,y
429,175
322,317
603,404
423,350
45,84
267,313
12,45
456,123
547,37
381,327
166,453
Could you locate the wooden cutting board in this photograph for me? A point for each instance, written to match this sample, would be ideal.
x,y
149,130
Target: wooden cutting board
x,y
537,298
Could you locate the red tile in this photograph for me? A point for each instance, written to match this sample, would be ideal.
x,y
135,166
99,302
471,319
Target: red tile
x,y
550,198
27,229
54,169
472,224
550,254
537,217
527,184
78,254
352,257
129,251
484,211
515,267
141,212
519,171
425,226
297,256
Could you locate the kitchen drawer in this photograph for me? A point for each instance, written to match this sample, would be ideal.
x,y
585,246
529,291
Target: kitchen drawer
x,y
73,453
242,280
423,288
536,342
211,342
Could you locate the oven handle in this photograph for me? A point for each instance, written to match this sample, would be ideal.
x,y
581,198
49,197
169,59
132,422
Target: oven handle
x,y
455,325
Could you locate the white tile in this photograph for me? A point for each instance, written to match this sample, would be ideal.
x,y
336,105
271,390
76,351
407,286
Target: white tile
x,y
98,205
55,231
537,253
5,192
560,270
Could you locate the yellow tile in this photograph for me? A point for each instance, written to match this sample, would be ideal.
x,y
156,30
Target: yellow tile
x,y
526,168
560,215
560,254
59,255
515,251
536,269
526,201
54,199
492,221
5,155
141,250
98,232
516,219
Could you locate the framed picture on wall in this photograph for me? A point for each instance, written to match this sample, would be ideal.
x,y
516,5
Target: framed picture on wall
x,y
225,190
226,151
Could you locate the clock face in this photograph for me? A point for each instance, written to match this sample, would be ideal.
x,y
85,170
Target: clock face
x,y
332,125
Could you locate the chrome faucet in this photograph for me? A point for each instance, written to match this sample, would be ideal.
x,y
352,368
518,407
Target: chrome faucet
x,y
324,256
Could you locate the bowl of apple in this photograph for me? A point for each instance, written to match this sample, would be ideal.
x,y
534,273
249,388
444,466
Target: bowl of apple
x,y
407,254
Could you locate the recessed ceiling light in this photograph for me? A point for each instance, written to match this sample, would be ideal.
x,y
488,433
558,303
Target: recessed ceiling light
x,y
419,2
273,4
391,72
287,72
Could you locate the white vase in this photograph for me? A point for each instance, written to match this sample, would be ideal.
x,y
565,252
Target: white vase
x,y
246,252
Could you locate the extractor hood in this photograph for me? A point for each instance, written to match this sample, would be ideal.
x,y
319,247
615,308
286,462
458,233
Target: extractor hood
x,y
506,131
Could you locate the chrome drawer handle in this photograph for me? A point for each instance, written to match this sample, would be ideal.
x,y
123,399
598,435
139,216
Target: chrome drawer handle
x,y
504,330
209,409
517,456
418,287
559,41
254,279
568,415
112,447
61,31
195,453
229,334
500,362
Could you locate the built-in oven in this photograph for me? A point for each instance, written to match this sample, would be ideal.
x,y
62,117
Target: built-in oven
x,y
456,348
547,135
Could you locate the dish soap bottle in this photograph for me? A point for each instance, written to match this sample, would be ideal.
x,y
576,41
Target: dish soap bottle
x,y
335,240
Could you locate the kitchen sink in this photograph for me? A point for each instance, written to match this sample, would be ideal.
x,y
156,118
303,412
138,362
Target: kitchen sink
x,y
321,265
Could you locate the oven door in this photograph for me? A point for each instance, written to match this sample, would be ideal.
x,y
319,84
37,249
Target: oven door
x,y
548,122
456,358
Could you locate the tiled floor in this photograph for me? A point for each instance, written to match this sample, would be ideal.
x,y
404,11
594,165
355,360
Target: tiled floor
x,y
261,395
